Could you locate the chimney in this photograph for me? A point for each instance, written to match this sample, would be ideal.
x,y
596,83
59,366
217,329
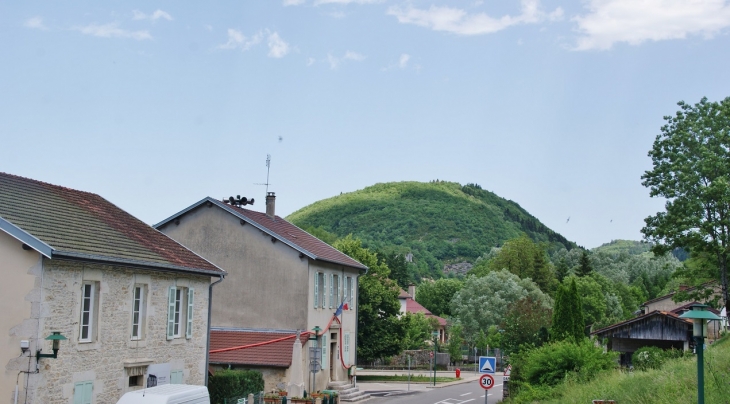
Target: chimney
x,y
270,204
412,291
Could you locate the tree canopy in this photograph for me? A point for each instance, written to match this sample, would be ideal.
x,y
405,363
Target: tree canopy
x,y
436,296
380,331
568,320
691,171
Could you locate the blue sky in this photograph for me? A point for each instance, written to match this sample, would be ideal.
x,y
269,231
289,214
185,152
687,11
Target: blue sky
x,y
552,104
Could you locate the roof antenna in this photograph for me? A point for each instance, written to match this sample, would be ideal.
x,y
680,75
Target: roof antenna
x,y
268,168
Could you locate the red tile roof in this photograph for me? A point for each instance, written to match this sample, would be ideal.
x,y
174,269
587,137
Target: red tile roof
x,y
276,354
413,306
282,230
82,225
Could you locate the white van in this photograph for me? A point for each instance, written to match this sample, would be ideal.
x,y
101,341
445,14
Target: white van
x,y
168,394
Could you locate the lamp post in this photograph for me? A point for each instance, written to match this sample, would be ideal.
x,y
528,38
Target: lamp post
x,y
699,316
56,337
314,358
435,335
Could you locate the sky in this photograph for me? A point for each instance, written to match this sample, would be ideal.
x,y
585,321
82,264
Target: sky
x,y
553,104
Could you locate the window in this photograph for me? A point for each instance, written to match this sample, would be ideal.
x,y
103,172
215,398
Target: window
x,y
350,292
335,292
82,392
138,311
324,352
88,312
320,290
180,312
135,381
346,348
176,377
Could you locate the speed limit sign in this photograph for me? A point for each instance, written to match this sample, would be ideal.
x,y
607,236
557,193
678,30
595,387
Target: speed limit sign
x,y
486,381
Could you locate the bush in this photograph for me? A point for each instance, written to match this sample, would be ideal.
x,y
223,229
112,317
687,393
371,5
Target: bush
x,y
226,384
552,363
652,357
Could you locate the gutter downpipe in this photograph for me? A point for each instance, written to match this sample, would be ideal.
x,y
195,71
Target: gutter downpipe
x,y
357,322
207,342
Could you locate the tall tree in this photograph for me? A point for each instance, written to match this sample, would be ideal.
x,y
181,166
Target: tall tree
x,y
436,296
398,268
584,268
568,322
380,332
526,322
691,171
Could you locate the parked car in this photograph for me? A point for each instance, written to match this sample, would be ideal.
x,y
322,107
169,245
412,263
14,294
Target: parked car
x,y
168,394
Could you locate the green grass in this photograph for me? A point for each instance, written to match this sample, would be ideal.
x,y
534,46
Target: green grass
x,y
404,378
675,382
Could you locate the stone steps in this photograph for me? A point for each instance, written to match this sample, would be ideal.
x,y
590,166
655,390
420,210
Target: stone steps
x,y
347,392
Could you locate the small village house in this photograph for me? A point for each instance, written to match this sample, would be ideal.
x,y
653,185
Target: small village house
x,y
130,303
282,281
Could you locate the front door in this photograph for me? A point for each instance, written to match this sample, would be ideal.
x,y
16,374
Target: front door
x,y
334,357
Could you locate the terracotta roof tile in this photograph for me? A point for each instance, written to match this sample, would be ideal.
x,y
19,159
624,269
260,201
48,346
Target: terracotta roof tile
x,y
83,224
277,354
413,306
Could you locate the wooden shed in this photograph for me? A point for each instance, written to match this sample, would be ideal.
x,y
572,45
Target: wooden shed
x,y
660,329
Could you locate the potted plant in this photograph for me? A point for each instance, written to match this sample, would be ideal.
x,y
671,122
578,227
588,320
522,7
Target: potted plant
x,y
272,398
301,400
282,392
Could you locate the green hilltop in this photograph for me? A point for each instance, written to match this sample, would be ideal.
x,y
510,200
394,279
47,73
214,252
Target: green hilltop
x,y
438,222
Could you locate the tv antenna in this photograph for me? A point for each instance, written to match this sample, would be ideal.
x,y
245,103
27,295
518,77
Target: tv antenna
x,y
268,168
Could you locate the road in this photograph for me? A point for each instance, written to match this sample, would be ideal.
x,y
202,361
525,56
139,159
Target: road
x,y
469,392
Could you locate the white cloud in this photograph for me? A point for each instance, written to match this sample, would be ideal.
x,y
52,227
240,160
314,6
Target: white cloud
x,y
460,22
236,39
112,30
277,47
310,61
35,23
318,2
138,15
403,61
293,2
336,61
635,21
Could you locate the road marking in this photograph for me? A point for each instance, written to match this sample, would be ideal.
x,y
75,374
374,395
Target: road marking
x,y
465,394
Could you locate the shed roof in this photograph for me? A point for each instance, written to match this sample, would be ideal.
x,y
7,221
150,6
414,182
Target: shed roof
x,y
60,222
275,354
280,229
671,316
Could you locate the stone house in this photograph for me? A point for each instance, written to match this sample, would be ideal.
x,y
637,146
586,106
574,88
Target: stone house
x,y
281,281
131,303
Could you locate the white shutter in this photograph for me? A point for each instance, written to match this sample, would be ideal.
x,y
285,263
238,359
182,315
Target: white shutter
x,y
352,293
171,312
316,290
83,392
332,290
189,325
324,352
347,349
324,291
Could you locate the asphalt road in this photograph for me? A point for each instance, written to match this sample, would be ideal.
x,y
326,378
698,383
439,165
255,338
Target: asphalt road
x,y
470,392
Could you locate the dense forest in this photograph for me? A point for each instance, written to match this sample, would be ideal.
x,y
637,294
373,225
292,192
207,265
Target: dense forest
x,y
439,222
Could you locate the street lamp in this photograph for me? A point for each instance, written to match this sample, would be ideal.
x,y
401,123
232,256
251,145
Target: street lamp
x,y
56,337
699,316
435,335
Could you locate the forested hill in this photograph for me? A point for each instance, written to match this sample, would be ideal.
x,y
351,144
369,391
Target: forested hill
x,y
439,222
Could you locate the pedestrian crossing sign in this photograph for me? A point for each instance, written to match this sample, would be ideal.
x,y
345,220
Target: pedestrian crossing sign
x,y
487,364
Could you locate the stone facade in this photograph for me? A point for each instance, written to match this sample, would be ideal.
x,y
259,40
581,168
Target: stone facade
x,y
102,361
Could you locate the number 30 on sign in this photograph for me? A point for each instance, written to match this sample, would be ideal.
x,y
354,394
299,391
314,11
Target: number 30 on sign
x,y
486,381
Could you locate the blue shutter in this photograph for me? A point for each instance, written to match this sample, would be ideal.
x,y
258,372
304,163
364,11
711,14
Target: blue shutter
x,y
316,290
83,392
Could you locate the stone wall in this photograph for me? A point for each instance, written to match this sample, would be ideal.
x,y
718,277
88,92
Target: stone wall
x,y
102,360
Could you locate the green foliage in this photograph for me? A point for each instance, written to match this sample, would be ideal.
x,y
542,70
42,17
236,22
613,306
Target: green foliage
x,y
398,268
483,301
439,222
456,341
584,268
492,338
647,358
436,296
524,258
418,330
552,363
628,247
691,171
380,331
526,323
225,384
568,320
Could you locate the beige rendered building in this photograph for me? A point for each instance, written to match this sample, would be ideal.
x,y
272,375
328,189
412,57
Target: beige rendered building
x,y
131,303
281,280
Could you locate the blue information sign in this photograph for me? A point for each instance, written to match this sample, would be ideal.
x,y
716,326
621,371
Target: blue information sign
x,y
487,364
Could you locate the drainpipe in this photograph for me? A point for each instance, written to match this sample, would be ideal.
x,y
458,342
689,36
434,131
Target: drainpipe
x,y
207,342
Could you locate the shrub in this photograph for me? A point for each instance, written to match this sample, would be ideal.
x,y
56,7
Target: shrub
x,y
552,363
226,384
648,357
